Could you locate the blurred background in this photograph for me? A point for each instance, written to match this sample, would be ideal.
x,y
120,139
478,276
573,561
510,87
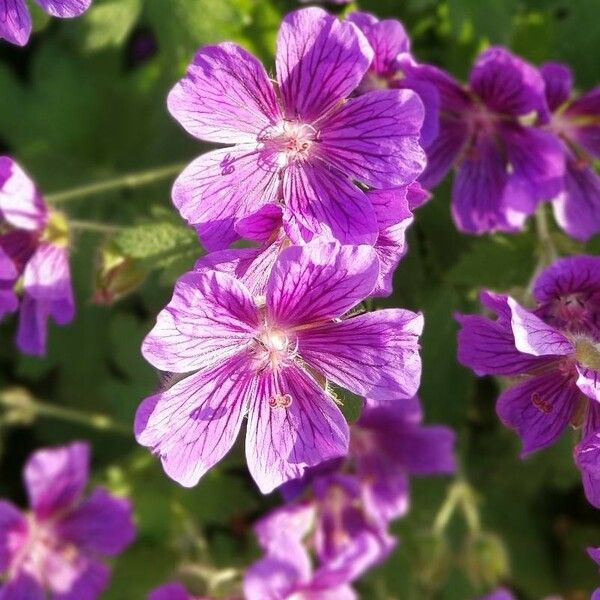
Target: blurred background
x,y
85,102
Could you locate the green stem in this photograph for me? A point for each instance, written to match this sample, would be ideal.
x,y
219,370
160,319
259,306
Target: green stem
x,y
129,181
546,250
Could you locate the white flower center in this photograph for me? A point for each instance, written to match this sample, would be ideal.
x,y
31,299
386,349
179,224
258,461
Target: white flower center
x,y
292,140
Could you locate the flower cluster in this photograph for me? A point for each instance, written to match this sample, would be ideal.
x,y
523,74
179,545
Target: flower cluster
x,y
15,18
56,549
34,259
553,350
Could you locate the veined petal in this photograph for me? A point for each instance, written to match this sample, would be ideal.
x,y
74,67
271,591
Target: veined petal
x,y
222,186
374,138
558,78
533,336
225,97
15,22
65,8
281,442
321,201
375,354
507,83
210,317
319,281
101,524
320,61
584,113
193,424
577,207
56,477
539,409
20,201
488,346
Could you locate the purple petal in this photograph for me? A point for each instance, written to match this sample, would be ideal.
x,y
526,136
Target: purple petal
x,y
210,317
13,532
15,21
78,578
507,83
488,346
225,97
577,207
102,524
8,274
499,594
261,225
537,160
566,276
289,520
170,591
20,202
588,381
22,587
321,201
222,186
584,113
375,138
533,336
594,554
319,281
431,103
558,79
587,456
539,409
281,442
320,61
65,8
278,576
193,424
394,217
375,354
478,191
56,477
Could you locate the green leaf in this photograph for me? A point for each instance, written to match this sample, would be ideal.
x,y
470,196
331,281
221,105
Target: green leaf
x,y
109,23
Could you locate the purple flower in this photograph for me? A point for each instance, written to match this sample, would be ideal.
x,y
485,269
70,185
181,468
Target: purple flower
x,y
393,66
270,357
393,209
57,547
173,591
302,143
388,444
34,251
595,555
504,168
345,544
554,351
15,18
576,121
499,594
286,573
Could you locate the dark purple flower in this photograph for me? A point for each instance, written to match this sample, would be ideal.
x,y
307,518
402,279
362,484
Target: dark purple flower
x,y
270,357
393,209
57,547
302,143
34,251
333,525
576,121
504,168
173,591
554,352
388,445
15,18
393,65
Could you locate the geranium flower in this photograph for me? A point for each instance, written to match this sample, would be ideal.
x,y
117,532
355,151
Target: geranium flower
x,y
554,352
15,18
56,549
270,357
302,142
33,252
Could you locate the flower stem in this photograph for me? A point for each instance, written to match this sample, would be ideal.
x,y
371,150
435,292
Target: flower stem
x,y
546,249
460,495
129,181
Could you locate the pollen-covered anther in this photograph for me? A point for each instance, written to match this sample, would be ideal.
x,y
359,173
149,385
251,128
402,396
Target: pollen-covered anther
x,y
280,401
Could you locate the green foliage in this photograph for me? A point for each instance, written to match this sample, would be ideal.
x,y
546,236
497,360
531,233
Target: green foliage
x,y
79,106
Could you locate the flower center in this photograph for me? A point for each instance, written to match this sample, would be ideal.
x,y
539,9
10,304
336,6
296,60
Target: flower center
x,y
292,140
272,348
587,353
